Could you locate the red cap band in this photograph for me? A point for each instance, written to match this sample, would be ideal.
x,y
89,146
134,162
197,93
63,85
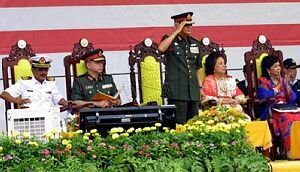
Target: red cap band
x,y
181,19
94,56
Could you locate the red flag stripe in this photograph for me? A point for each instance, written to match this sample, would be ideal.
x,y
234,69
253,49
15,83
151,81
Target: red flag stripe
x,y
44,3
53,41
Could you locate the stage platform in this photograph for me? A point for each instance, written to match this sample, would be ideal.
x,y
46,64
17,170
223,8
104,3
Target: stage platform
x,y
285,166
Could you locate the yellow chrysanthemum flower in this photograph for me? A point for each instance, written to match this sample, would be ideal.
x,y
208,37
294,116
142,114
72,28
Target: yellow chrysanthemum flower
x,y
235,125
93,131
124,134
26,135
96,134
223,144
180,128
221,124
146,129
113,130
65,142
47,135
120,129
242,122
202,113
69,146
190,127
18,142
116,130
198,122
210,122
36,144
87,134
15,134
115,136
138,130
172,131
157,124
67,135
54,131
33,143
78,132
86,138
130,130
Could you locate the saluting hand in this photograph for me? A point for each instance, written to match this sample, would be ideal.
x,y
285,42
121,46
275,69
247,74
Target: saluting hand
x,y
179,27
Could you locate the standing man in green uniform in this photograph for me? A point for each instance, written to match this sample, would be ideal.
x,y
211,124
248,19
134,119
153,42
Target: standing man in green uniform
x,y
87,85
182,81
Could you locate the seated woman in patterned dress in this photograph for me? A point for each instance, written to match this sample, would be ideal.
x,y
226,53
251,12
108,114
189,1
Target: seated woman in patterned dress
x,y
219,86
272,84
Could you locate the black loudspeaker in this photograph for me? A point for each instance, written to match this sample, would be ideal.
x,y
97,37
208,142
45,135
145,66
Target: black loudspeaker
x,y
103,119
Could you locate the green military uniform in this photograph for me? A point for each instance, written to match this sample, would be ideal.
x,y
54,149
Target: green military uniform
x,y
181,84
85,87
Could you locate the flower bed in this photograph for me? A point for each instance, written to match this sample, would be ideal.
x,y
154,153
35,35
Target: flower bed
x,y
200,145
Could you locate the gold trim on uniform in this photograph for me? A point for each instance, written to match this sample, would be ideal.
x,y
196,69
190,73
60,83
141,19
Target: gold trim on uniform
x,y
26,77
42,60
50,79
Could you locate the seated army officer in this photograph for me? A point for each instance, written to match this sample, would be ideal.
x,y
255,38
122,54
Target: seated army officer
x,y
87,85
37,91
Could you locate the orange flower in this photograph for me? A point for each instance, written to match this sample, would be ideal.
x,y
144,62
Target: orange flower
x,y
213,112
67,135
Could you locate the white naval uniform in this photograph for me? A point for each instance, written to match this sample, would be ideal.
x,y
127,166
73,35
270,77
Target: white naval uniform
x,y
43,94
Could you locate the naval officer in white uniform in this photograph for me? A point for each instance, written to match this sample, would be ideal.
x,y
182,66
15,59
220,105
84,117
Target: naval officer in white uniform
x,y
37,91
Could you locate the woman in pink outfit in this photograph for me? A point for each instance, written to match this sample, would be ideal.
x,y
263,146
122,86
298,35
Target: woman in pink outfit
x,y
218,85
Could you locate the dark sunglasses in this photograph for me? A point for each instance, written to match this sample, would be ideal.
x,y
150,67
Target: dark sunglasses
x,y
188,25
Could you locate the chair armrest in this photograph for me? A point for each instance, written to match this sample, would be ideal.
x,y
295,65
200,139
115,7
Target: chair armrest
x,y
267,100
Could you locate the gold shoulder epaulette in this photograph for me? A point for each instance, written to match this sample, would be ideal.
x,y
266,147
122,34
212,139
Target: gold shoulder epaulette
x,y
50,79
26,77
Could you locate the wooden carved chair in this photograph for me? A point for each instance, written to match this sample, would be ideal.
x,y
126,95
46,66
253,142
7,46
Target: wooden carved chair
x,y
261,48
74,66
206,46
148,61
15,66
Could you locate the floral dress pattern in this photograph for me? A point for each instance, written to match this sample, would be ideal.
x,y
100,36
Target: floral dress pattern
x,y
282,122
